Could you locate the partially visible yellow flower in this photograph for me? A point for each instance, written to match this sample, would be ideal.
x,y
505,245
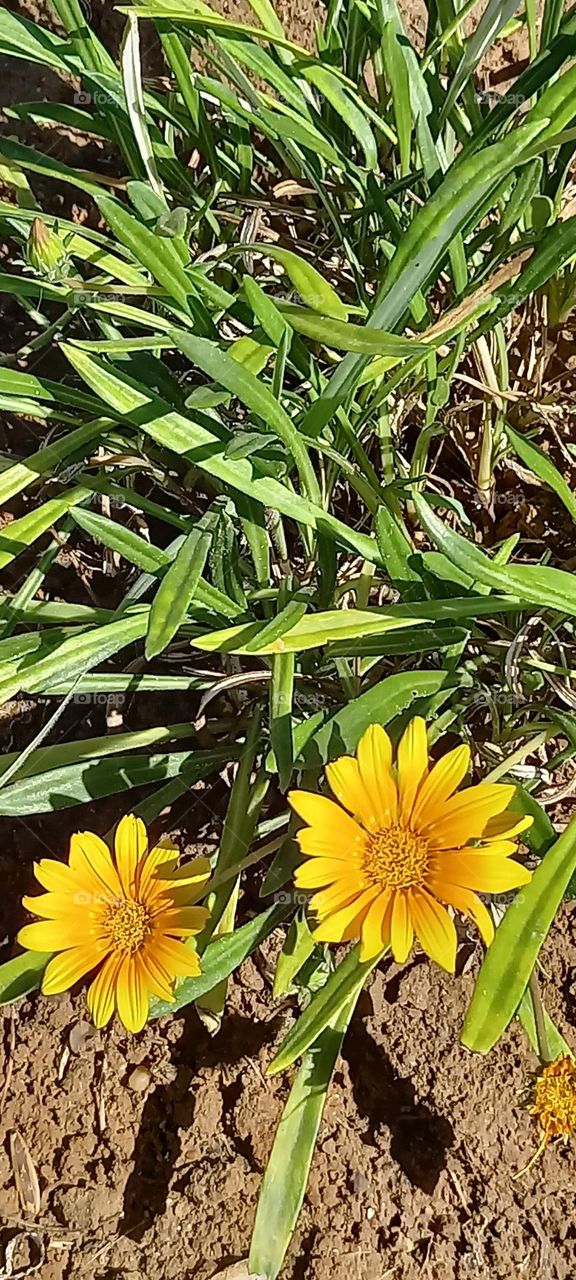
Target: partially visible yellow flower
x,y
399,842
122,914
554,1099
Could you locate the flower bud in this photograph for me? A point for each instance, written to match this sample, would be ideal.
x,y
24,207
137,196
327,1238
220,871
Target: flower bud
x,y
45,250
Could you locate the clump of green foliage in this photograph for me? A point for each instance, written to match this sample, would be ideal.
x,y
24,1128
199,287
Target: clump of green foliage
x,y
246,376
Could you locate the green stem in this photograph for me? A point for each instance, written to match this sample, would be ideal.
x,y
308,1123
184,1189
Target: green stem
x,y
539,1019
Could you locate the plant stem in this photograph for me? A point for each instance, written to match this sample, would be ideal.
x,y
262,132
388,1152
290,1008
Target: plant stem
x,y
539,1018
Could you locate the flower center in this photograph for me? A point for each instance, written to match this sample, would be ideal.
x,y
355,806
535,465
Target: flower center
x,y
128,924
396,858
555,1098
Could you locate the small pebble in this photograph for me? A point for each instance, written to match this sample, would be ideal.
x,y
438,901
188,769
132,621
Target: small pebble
x,y
80,1036
139,1079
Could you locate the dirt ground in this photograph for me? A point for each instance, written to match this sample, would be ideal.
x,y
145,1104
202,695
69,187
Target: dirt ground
x,y
149,1150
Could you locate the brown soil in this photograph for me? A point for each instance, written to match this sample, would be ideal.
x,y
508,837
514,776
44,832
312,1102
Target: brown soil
x,y
412,1176
156,1174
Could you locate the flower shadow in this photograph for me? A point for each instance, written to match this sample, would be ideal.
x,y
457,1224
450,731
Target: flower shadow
x,y
169,1112
420,1137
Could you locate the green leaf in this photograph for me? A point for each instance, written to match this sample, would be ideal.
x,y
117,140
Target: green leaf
x,y
221,958
548,588
493,19
286,1176
159,256
75,656
281,716
133,89
397,72
152,559
312,287
22,474
397,552
339,734
556,1043
463,192
543,467
172,599
350,337
18,536
512,956
64,753
298,947
329,1004
23,974
317,629
345,106
254,393
203,449
93,779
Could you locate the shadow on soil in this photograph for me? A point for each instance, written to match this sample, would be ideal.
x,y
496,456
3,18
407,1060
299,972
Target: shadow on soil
x,y
420,1137
169,1112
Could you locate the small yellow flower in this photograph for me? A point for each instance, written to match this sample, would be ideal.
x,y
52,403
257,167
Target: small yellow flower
x,y
399,842
121,914
554,1099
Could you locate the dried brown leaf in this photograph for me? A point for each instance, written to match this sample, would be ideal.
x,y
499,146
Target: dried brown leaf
x,y
25,1175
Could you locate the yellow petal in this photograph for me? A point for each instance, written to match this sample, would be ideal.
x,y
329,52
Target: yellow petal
x,y
63,971
375,928
484,872
467,902
337,895
158,981
412,764
318,872
177,959
506,825
336,927
165,855
401,930
54,935
466,814
131,995
101,994
91,860
441,782
435,929
55,876
346,783
497,848
54,906
316,843
326,817
374,754
181,922
130,845
192,875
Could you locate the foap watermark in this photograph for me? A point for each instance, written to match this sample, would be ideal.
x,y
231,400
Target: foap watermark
x,y
488,98
286,898
302,700
100,98
81,297
503,698
97,699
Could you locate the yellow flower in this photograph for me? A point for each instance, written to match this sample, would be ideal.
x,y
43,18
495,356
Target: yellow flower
x,y
554,1100
122,914
399,842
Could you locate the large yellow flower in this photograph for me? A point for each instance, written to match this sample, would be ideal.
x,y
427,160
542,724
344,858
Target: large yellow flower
x,y
400,841
121,914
